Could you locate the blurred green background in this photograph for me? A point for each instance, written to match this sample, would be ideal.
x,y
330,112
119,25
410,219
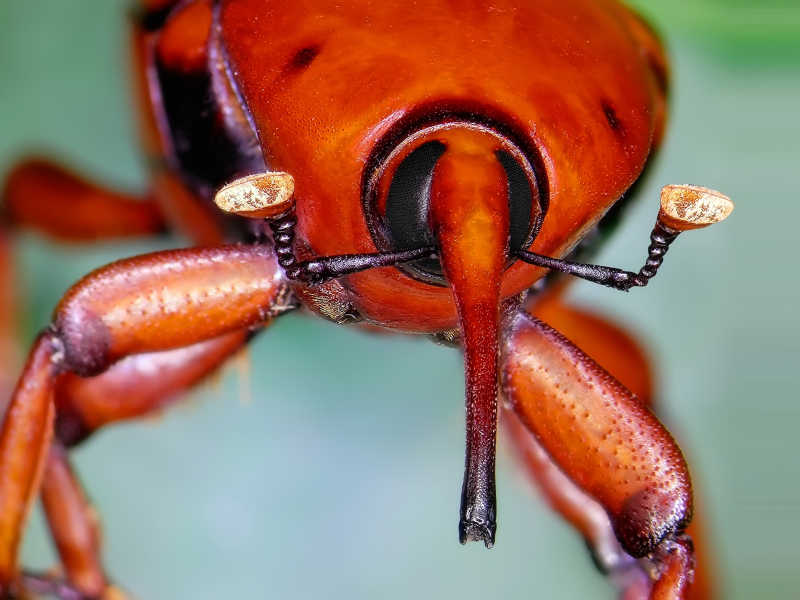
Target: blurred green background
x,y
341,477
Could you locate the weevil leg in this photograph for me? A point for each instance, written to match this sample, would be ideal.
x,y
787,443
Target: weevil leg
x,y
608,444
73,524
155,302
619,353
41,196
135,386
633,578
579,509
45,197
8,333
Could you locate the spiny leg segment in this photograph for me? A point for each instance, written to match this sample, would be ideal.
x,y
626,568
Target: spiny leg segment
x,y
618,352
150,303
612,449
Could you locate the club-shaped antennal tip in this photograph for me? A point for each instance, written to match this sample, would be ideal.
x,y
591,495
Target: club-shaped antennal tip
x,y
258,196
685,207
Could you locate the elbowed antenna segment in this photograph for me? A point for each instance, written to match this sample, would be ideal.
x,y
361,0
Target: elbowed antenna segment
x,y
325,268
683,207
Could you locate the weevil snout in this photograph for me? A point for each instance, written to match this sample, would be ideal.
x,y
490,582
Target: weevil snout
x,y
470,218
470,194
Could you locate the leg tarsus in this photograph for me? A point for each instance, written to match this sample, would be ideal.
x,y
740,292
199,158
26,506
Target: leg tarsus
x,y
672,564
24,440
49,586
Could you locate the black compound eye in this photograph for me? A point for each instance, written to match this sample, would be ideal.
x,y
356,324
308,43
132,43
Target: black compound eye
x,y
520,200
408,204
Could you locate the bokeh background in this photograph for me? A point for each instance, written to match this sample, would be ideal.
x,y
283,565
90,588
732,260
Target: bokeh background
x,y
332,467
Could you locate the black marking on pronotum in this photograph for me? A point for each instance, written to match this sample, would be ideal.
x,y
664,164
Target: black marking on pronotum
x,y
303,58
611,117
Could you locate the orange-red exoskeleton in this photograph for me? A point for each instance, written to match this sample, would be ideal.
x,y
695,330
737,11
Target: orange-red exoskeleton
x,y
425,171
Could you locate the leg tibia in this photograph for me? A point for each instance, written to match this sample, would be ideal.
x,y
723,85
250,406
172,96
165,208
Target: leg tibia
x,y
137,385
43,196
8,349
604,439
24,440
73,524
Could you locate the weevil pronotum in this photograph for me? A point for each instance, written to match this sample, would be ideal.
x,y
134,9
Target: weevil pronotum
x,y
425,171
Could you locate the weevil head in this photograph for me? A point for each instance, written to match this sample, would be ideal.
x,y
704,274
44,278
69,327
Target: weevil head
x,y
358,112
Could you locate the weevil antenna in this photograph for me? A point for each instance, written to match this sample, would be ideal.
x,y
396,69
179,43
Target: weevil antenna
x,y
683,207
270,196
322,269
